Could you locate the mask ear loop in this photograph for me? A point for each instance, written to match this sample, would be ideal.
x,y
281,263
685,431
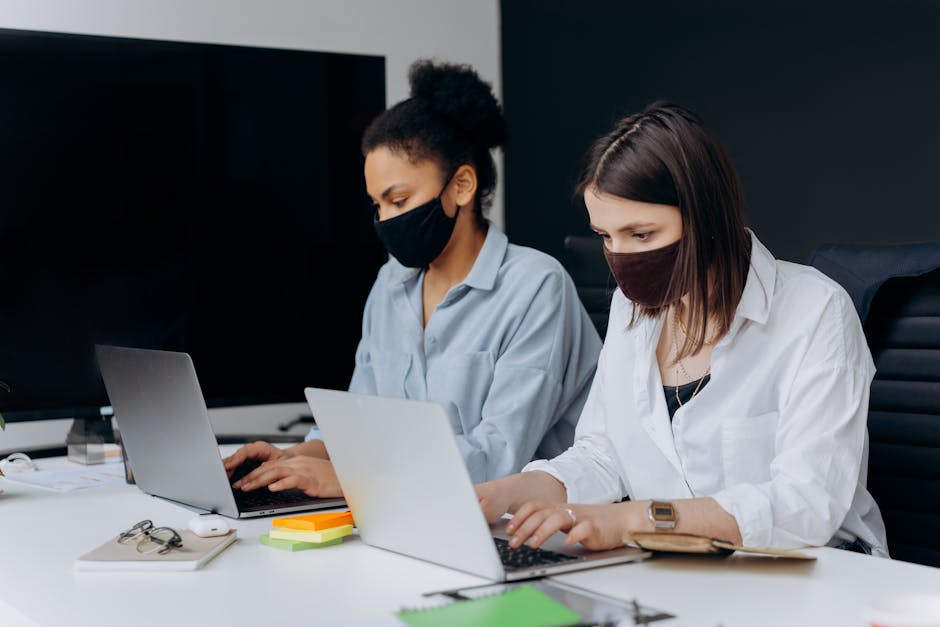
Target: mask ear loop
x,y
440,196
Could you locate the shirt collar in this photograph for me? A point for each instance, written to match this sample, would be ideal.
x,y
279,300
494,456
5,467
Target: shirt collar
x,y
485,269
757,297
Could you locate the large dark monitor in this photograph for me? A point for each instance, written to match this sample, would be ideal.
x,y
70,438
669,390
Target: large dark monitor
x,y
182,196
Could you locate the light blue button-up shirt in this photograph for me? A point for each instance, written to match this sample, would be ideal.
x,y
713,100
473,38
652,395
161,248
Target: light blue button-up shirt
x,y
509,352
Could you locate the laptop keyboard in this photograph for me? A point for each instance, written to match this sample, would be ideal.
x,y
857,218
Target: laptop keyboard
x,y
526,557
263,497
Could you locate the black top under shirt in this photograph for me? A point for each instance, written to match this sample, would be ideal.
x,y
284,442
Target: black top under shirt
x,y
685,393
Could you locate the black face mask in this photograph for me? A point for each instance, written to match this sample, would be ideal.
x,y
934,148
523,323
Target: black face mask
x,y
417,237
644,277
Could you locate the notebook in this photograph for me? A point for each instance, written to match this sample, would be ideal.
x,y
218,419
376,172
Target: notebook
x,y
593,607
668,542
193,555
519,607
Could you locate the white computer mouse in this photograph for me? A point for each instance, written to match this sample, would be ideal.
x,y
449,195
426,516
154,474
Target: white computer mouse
x,y
208,525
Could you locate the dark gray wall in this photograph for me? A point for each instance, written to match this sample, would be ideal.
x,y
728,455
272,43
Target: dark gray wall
x,y
830,114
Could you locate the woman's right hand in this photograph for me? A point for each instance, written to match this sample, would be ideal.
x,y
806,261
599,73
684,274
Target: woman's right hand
x,y
495,498
255,451
504,496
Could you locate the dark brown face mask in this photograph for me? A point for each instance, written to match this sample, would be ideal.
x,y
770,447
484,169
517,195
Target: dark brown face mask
x,y
644,277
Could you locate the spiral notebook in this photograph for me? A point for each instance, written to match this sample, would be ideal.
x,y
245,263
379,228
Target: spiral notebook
x,y
593,608
194,554
523,606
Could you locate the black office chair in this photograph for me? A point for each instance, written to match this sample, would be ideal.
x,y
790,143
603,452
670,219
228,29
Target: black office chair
x,y
902,324
584,260
903,331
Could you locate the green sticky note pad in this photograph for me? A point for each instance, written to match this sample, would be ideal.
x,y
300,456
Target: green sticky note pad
x,y
296,545
520,607
316,537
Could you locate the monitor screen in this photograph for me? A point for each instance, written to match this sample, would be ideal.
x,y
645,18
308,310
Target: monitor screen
x,y
181,196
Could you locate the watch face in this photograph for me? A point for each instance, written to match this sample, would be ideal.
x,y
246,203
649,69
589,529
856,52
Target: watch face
x,y
663,511
662,514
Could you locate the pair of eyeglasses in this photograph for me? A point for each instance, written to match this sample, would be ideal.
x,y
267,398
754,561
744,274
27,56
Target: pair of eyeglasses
x,y
150,539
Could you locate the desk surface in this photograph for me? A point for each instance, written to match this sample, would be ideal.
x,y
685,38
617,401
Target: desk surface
x,y
42,532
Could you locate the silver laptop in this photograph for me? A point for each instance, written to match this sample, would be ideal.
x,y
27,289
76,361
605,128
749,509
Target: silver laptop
x,y
169,441
409,491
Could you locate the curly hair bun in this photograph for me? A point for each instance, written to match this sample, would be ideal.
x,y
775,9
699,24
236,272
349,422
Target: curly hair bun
x,y
457,93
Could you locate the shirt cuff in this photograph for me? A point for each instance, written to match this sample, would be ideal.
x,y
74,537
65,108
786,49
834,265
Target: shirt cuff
x,y
751,509
545,466
475,461
313,434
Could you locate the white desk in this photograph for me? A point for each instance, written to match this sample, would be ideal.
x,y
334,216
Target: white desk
x,y
42,532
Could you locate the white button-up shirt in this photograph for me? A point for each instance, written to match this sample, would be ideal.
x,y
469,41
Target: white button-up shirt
x,y
778,437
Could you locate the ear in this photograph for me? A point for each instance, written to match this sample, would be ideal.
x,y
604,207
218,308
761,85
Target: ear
x,y
464,185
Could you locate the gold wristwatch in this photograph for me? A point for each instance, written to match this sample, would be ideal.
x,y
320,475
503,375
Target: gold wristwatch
x,y
662,514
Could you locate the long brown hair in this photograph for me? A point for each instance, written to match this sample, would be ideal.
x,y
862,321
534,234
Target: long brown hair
x,y
665,155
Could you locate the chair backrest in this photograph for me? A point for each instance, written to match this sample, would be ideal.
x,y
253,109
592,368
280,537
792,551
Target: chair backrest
x,y
903,331
584,259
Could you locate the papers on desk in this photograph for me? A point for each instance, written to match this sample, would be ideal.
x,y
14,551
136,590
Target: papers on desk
x,y
11,617
69,480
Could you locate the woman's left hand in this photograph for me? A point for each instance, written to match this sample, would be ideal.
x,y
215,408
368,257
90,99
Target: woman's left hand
x,y
597,527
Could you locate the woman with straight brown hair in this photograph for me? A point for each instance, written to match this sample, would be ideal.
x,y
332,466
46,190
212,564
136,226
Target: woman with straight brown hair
x,y
731,395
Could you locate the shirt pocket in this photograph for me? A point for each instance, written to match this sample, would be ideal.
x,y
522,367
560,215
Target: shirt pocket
x,y
390,370
462,381
748,448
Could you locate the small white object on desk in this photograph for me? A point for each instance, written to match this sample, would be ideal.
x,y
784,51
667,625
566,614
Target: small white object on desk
x,y
208,525
17,462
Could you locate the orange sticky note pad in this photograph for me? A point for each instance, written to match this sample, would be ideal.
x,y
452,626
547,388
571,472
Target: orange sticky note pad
x,y
315,522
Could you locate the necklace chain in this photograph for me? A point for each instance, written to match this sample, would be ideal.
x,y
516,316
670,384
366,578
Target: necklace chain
x,y
679,367
685,331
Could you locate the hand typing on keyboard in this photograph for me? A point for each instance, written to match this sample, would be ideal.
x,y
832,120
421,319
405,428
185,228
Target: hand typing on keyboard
x,y
597,527
312,475
249,457
526,557
241,471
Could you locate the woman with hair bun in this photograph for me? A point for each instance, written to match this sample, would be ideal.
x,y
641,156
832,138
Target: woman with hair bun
x,y
492,331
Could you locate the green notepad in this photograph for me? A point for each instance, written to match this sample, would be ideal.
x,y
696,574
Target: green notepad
x,y
520,607
318,537
296,545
